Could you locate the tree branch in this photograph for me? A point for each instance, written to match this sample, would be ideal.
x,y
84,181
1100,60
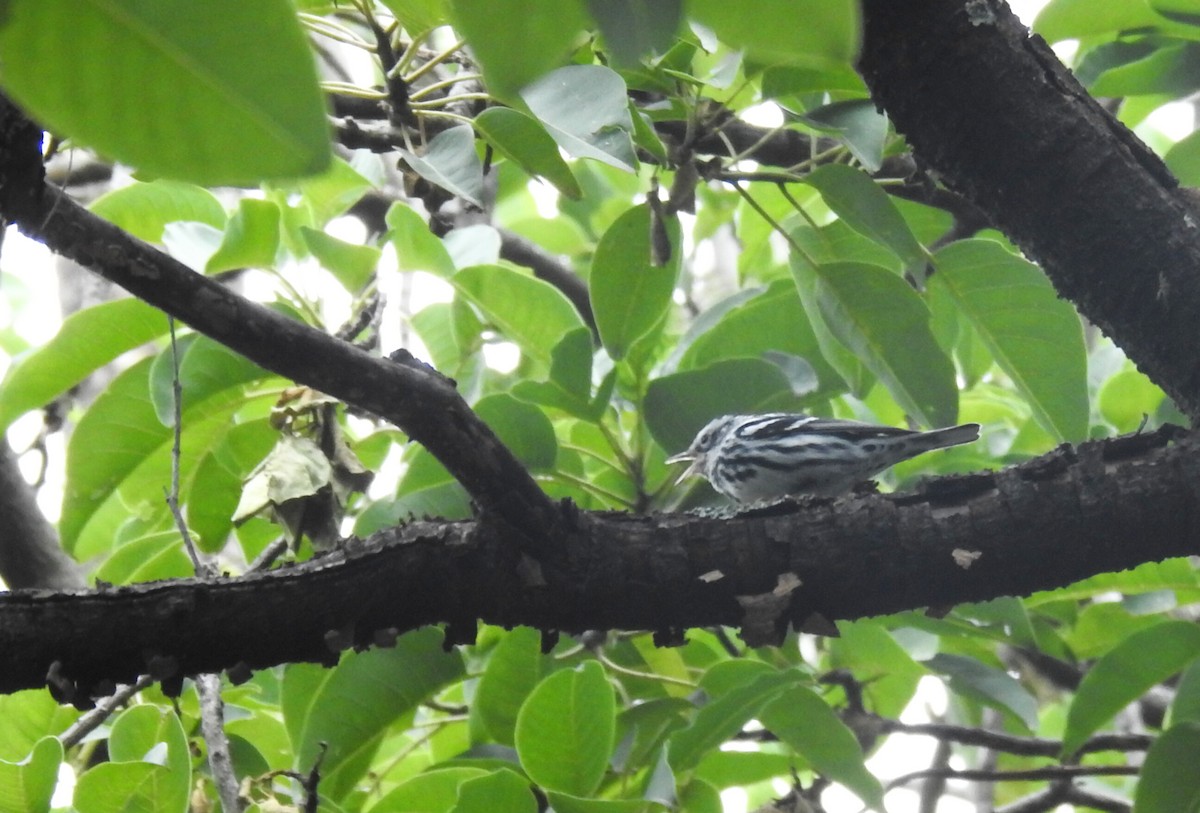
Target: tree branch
x,y
1110,506
1006,125
414,397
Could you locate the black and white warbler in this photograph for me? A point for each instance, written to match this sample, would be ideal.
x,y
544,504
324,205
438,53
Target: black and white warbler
x,y
758,457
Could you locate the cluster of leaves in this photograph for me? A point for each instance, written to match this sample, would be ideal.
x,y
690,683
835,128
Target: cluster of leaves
x,y
844,301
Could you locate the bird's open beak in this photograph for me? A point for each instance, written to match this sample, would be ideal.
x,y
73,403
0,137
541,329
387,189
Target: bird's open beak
x,y
697,464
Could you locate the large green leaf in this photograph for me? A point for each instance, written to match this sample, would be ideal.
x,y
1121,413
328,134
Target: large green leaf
x,y
131,782
806,32
1131,668
513,669
879,318
221,92
251,239
142,209
27,786
350,706
988,685
1034,336
867,209
586,110
677,406
431,792
87,340
119,457
522,427
804,721
450,161
1067,19
724,716
417,249
516,41
523,139
1170,782
564,733
629,293
633,28
500,790
771,322
507,298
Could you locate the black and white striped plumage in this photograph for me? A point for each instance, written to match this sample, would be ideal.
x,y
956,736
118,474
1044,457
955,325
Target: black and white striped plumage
x,y
757,457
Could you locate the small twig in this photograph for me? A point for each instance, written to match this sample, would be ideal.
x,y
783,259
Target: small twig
x,y
624,670
212,725
208,686
1009,744
89,722
177,415
1049,773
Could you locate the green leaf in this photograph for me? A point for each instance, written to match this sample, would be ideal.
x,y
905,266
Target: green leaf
x,y
677,406
565,803
512,55
352,264
205,368
585,109
804,721
432,792
238,79
522,427
251,238
124,787
774,320
142,209
513,669
879,318
418,16
564,733
987,685
1127,398
128,783
417,249
629,293
1140,661
150,558
723,717
29,716
217,486
634,28
1068,19
1034,336
119,457
450,161
863,129
1169,782
1171,70
27,786
87,340
570,384
1185,707
500,790
506,298
867,209
888,673
806,32
350,706
524,140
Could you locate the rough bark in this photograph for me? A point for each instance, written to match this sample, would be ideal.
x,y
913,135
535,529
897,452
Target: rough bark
x,y
1108,506
984,106
1004,123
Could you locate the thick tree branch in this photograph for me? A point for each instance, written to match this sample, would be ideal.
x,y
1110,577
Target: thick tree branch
x,y
416,398
1109,506
998,116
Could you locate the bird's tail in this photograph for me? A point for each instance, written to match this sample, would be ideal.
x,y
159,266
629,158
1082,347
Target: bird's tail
x,y
950,436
